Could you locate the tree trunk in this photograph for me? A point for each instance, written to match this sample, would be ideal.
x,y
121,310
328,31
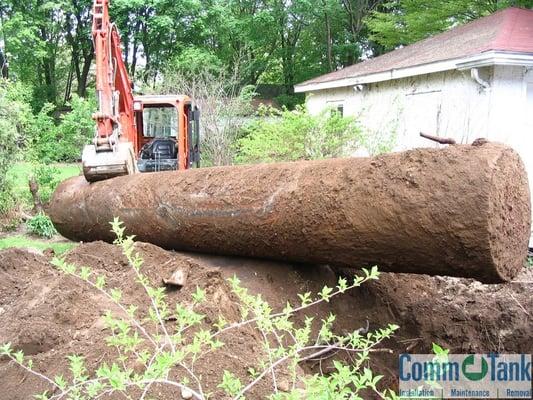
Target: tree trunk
x,y
84,75
328,42
34,190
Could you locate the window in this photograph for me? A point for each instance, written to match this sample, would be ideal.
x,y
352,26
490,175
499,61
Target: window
x,y
337,108
160,121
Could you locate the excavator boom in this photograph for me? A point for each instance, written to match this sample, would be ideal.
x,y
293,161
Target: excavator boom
x,y
113,150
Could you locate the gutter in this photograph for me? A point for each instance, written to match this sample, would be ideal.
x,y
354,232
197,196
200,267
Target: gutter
x,y
474,73
488,58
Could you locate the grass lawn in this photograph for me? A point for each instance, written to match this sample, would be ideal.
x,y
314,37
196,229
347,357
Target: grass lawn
x,y
24,242
21,171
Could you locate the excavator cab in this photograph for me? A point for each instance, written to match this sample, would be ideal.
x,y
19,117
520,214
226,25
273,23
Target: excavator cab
x,y
165,136
167,133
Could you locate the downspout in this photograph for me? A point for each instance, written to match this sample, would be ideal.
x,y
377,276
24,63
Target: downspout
x,y
474,73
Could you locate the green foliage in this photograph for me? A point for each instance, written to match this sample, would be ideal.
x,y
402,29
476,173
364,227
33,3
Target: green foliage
x,y
49,43
48,177
440,351
20,173
193,61
62,142
76,128
13,119
166,354
7,201
41,225
26,242
406,21
297,135
290,101
49,47
345,382
230,384
224,104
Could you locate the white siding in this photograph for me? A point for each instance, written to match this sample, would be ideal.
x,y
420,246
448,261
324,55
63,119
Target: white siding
x,y
511,116
446,104
449,104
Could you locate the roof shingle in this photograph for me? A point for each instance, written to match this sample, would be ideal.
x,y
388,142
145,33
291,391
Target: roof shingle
x,y
510,30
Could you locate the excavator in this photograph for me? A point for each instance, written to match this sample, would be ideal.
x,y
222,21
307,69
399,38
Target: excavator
x,y
134,133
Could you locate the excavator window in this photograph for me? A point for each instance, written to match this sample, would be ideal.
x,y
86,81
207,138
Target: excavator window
x,y
160,121
159,151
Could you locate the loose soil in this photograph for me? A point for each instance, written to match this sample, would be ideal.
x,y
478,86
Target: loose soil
x,y
49,315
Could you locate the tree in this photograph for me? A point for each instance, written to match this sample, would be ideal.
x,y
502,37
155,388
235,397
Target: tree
x,y
222,102
78,22
402,22
49,44
280,42
14,115
291,17
356,11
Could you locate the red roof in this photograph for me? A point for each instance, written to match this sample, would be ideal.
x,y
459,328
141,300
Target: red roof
x,y
509,30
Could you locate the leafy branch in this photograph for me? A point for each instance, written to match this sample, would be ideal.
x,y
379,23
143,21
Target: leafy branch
x,y
168,352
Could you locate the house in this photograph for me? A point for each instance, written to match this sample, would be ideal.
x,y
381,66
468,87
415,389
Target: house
x,y
475,80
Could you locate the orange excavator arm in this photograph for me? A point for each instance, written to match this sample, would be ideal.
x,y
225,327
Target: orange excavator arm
x,y
113,150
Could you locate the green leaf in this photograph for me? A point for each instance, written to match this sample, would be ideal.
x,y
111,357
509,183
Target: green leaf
x,y
199,295
437,349
77,367
100,282
230,384
288,309
19,356
116,295
343,284
325,293
61,382
305,298
5,349
94,388
42,396
85,273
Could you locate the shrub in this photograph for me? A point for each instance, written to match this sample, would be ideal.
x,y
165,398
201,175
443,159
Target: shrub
x,y
14,115
166,354
7,199
44,145
193,61
290,101
77,128
48,177
41,225
297,135
223,104
63,142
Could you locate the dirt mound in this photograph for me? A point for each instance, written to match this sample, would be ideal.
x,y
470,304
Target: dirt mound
x,y
50,315
462,315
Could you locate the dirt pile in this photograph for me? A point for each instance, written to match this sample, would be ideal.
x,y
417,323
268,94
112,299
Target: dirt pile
x,y
50,315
